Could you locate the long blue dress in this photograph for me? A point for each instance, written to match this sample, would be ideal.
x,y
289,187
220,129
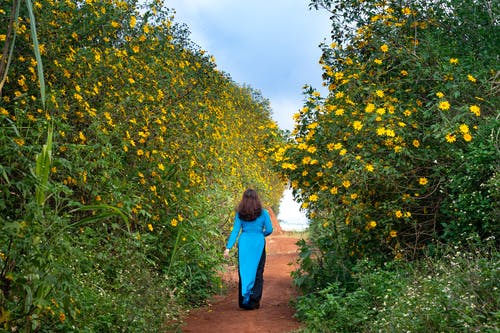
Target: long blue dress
x,y
251,245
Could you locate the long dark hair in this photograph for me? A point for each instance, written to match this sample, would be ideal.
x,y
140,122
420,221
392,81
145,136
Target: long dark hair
x,y
250,206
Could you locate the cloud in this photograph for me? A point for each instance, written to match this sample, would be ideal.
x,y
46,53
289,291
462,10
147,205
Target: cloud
x,y
270,45
283,110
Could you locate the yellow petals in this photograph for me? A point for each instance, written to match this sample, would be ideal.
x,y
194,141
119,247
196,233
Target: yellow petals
x,y
444,105
475,110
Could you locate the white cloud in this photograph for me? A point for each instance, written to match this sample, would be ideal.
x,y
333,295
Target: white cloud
x,y
283,110
269,45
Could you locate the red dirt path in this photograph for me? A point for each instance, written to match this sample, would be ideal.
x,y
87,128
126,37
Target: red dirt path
x,y
275,314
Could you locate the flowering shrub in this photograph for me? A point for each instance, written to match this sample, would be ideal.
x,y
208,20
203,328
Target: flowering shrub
x,y
151,147
400,156
373,160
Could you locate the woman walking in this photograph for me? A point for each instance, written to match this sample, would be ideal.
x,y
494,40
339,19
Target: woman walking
x,y
254,223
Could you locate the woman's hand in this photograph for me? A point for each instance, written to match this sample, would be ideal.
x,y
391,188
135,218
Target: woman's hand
x,y
226,253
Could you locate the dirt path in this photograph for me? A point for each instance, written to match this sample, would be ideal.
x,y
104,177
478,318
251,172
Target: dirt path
x,y
274,315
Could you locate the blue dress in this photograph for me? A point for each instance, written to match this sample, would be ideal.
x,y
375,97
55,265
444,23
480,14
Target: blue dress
x,y
251,245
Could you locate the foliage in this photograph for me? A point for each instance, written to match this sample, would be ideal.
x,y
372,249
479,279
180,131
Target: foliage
x,y
379,163
400,156
455,292
121,163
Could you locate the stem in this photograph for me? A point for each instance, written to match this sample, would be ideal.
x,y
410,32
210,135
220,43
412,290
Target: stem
x,y
174,251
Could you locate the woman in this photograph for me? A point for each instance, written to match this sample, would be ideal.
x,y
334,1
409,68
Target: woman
x,y
255,224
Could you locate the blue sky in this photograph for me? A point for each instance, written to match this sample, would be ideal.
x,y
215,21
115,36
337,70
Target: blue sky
x,y
271,45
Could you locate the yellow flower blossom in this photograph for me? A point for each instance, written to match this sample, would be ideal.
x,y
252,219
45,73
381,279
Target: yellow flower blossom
x,y
346,183
471,78
416,143
444,105
370,107
150,227
475,110
384,48
371,225
334,190
439,94
357,125
133,21
398,214
423,181
453,61
313,198
464,129
393,233
451,138
380,93
467,137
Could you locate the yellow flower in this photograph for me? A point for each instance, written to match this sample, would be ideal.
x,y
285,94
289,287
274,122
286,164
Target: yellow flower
x,y
312,149
371,225
444,105
464,129
343,152
406,11
334,190
416,143
370,107
369,167
404,73
467,137
313,198
357,125
133,21
381,131
453,61
450,138
471,78
399,214
379,93
354,196
174,222
378,61
393,233
475,109
140,152
384,48
150,227
346,183
62,317
439,94
423,181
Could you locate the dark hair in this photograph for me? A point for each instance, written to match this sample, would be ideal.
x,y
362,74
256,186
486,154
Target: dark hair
x,y
250,206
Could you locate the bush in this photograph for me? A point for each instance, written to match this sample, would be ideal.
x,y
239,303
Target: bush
x,y
455,291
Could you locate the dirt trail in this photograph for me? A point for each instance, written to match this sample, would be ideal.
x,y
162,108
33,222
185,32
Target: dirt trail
x,y
274,315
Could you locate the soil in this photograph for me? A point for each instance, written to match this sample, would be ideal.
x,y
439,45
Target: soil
x,y
275,313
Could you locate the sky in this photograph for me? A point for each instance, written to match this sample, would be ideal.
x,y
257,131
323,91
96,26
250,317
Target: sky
x,y
270,45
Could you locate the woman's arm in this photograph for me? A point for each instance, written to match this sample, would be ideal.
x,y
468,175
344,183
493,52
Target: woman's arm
x,y
268,226
234,233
